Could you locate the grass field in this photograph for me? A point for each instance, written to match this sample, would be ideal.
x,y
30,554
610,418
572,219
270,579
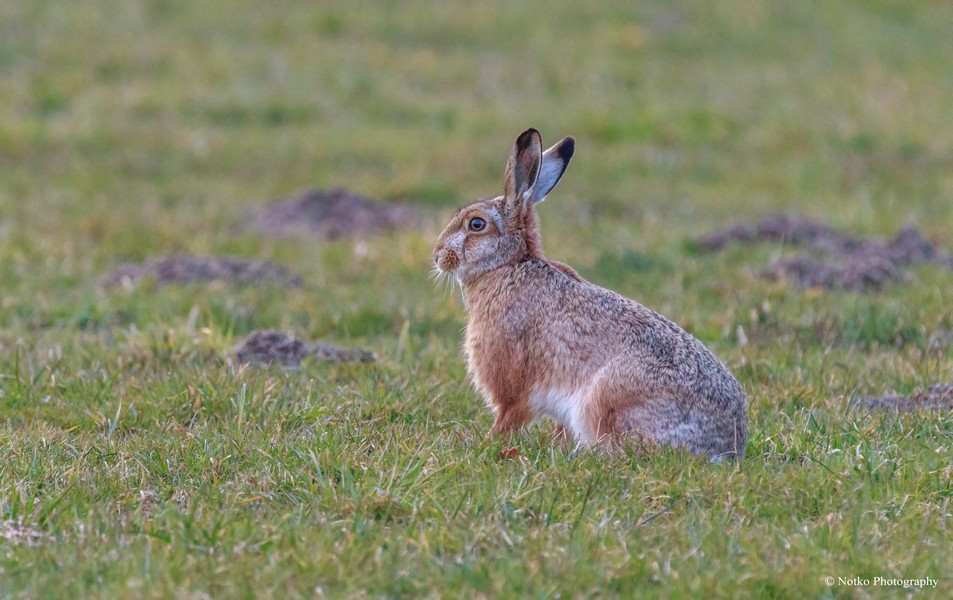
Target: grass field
x,y
135,461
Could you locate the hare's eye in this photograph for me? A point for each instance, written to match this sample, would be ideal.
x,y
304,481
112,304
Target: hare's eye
x,y
477,224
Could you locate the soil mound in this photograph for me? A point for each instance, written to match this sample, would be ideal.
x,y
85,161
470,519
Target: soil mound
x,y
268,346
187,269
332,214
936,397
833,259
854,274
774,228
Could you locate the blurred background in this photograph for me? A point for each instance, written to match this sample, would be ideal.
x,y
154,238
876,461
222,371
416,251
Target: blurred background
x,y
143,128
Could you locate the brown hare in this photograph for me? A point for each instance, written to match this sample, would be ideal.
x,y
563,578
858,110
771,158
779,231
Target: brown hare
x,y
543,342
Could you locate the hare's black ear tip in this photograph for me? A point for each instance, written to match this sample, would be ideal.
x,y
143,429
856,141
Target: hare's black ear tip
x,y
567,148
526,138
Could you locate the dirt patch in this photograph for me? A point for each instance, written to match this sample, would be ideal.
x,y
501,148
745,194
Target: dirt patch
x,y
834,259
853,274
16,532
187,269
268,346
936,397
788,228
332,214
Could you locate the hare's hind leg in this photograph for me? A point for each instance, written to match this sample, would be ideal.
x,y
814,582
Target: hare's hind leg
x,y
604,414
620,411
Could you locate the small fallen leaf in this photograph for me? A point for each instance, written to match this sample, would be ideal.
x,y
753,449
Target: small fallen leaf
x,y
509,453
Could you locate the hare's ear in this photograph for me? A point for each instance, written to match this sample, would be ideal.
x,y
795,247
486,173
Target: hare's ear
x,y
522,168
553,165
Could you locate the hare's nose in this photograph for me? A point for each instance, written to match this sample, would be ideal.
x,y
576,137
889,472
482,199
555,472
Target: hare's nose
x,y
446,260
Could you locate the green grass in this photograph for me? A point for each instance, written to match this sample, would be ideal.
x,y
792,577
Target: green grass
x,y
154,468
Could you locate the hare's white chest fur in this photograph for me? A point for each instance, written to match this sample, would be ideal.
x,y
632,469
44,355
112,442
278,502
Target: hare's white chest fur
x,y
565,406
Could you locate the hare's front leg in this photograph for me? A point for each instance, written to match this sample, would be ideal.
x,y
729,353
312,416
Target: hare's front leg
x,y
511,418
504,390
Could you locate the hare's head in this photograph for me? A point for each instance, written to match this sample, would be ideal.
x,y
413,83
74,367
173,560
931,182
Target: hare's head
x,y
494,232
